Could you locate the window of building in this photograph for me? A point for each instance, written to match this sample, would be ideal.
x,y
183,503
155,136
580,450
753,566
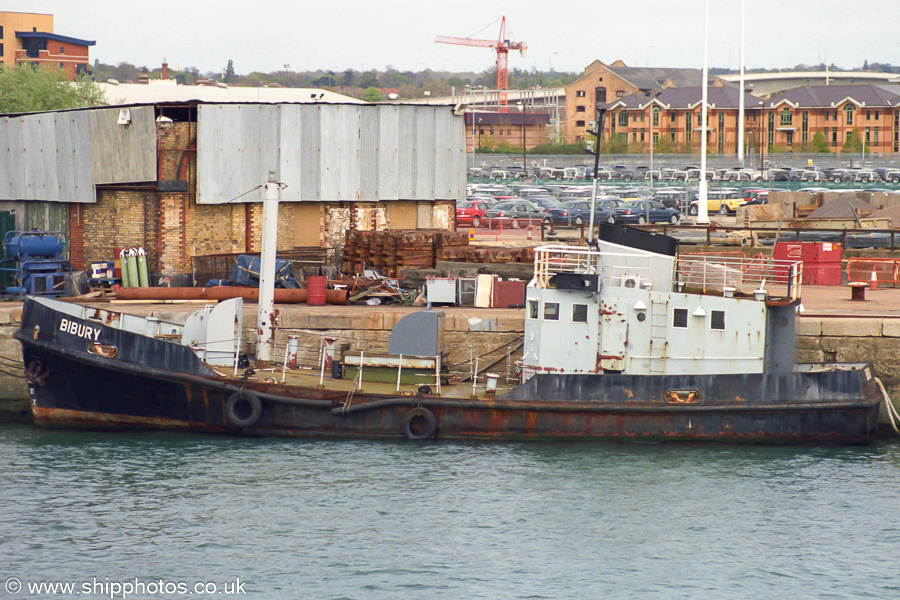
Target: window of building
x,y
672,117
655,138
623,119
655,113
771,128
642,135
672,135
868,137
786,118
804,126
620,94
533,309
827,115
868,115
790,138
580,94
1,32
834,133
579,109
876,115
688,117
717,320
579,123
62,49
848,114
834,115
1,48
875,138
680,318
551,311
579,313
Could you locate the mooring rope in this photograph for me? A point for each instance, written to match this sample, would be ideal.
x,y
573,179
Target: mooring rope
x,y
893,414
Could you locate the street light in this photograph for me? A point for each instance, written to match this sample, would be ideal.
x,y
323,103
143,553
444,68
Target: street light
x,y
652,98
523,108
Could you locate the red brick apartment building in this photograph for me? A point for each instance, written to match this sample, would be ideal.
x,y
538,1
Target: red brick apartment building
x,y
29,37
788,121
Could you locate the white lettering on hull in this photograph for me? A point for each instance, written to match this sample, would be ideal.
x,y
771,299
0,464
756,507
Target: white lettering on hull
x,y
80,330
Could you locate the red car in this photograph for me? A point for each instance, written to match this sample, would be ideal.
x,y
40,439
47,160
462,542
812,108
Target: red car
x,y
471,213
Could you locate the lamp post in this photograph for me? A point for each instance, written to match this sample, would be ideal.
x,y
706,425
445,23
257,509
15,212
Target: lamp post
x,y
702,203
741,96
652,98
523,108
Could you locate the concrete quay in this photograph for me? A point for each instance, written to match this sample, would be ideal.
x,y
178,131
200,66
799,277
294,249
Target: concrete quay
x,y
832,327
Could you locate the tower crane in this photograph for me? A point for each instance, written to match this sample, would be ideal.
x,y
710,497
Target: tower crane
x,y
502,45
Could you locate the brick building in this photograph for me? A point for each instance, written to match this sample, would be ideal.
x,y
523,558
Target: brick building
x,y
787,121
186,179
792,118
671,117
29,37
601,84
492,130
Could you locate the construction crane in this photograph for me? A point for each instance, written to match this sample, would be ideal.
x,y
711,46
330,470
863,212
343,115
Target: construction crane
x,y
502,46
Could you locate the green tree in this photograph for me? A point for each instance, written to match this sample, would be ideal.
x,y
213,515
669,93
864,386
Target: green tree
x,y
27,89
229,71
819,144
372,95
853,143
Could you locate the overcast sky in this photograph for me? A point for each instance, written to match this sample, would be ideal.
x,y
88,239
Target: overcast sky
x,y
566,35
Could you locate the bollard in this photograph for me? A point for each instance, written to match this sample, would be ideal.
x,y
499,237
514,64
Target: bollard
x,y
873,283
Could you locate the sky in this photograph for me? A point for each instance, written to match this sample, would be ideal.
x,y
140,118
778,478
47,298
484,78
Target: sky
x,y
565,35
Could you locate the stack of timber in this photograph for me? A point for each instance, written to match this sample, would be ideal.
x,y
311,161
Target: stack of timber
x,y
392,250
487,254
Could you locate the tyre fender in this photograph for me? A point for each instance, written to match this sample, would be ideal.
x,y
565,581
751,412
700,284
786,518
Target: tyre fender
x,y
419,424
235,411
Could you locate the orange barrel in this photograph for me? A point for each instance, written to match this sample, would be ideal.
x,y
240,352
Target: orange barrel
x,y
315,290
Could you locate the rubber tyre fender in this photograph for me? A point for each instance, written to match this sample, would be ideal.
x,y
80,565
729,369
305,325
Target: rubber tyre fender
x,y
255,408
419,414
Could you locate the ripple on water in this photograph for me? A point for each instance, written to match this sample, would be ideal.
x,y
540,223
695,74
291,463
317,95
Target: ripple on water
x,y
352,519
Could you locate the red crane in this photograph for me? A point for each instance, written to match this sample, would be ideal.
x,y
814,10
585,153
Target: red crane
x,y
502,46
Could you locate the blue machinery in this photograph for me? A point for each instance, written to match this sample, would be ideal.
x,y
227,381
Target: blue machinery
x,y
35,263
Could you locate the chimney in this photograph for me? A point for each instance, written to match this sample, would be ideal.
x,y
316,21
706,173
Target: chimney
x,y
165,70
143,78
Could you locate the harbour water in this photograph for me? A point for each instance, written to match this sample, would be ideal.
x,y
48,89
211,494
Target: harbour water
x,y
134,514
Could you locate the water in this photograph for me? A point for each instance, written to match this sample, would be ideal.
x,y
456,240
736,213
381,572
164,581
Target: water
x,y
360,519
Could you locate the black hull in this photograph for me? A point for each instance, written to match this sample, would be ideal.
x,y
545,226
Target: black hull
x,y
72,388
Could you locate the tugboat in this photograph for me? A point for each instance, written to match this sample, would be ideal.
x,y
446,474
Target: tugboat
x,y
624,340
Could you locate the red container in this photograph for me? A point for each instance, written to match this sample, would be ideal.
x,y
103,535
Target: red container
x,y
821,260
315,290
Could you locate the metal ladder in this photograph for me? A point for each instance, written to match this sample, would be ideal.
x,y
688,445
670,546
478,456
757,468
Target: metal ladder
x,y
658,344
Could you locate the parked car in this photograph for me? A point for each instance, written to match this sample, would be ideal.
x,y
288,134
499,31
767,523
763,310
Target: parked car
x,y
867,175
646,211
674,198
515,214
758,196
722,201
471,213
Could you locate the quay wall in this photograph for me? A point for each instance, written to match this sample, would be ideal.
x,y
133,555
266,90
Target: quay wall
x,y
491,335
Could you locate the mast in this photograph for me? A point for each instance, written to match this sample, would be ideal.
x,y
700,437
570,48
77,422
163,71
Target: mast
x,y
265,318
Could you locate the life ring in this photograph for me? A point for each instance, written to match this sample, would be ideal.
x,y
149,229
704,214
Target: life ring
x,y
419,424
36,373
235,410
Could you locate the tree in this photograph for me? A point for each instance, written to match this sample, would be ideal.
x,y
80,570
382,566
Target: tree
x,y
853,143
372,95
819,144
24,88
229,71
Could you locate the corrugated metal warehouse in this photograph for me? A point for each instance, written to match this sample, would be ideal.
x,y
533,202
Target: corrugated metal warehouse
x,y
185,179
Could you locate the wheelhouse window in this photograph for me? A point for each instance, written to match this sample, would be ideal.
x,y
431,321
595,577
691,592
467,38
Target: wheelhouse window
x,y
680,318
717,320
579,313
533,309
551,311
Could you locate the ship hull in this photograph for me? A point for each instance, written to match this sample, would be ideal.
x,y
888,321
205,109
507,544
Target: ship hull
x,y
71,387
